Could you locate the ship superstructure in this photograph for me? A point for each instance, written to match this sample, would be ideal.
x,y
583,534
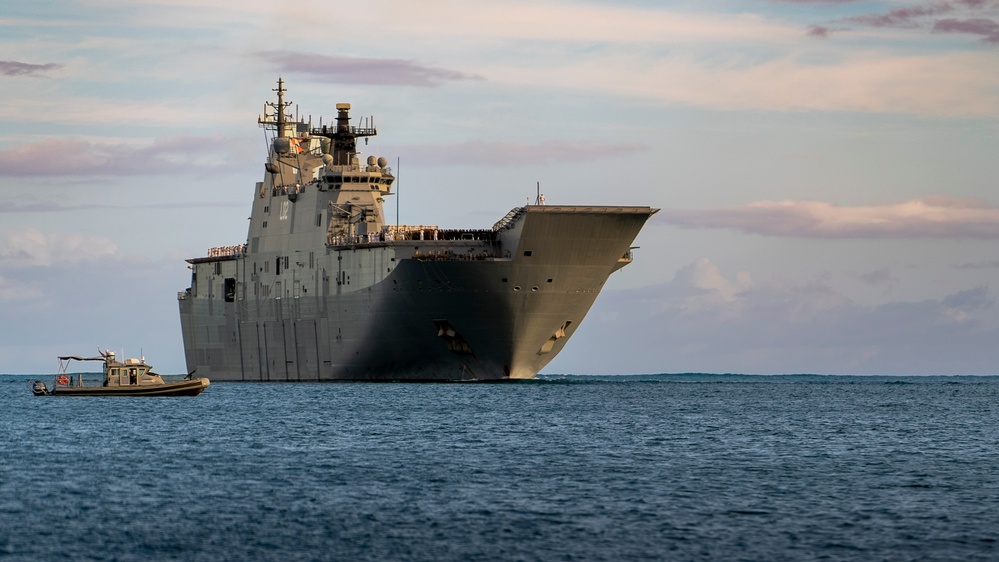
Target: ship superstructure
x,y
325,288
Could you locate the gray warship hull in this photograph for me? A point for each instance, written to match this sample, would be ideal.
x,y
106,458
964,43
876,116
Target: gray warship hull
x,y
324,289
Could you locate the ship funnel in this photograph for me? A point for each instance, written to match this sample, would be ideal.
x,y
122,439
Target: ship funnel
x,y
343,117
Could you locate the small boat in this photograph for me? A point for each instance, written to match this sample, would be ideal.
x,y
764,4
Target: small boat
x,y
133,377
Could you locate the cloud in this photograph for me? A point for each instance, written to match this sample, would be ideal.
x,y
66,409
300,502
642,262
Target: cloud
x,y
931,217
988,29
514,22
15,68
702,282
501,153
703,321
939,84
80,158
34,248
878,277
906,18
357,70
818,31
977,19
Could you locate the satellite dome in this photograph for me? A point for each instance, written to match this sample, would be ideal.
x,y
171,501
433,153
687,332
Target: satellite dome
x,y
372,160
382,161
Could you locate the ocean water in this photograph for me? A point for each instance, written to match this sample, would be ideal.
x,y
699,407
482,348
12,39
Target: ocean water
x,y
668,467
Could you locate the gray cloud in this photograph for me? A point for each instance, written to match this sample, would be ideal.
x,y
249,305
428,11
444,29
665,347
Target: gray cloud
x,y
975,18
356,70
15,68
900,17
986,28
819,31
878,277
932,217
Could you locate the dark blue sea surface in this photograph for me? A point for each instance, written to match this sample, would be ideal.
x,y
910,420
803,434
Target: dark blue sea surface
x,y
668,467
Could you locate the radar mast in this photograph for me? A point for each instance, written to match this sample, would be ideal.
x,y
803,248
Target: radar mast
x,y
278,119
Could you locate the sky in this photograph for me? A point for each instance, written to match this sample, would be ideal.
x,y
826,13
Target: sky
x,y
826,170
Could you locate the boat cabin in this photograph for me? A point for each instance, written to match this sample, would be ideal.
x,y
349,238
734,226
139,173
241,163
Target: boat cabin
x,y
131,372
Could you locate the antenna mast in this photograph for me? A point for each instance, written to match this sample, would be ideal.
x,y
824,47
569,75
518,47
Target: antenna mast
x,y
278,120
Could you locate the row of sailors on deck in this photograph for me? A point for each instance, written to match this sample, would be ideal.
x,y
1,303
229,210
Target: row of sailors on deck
x,y
390,235
222,251
385,236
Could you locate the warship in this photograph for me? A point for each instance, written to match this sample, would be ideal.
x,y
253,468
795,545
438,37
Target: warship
x,y
325,287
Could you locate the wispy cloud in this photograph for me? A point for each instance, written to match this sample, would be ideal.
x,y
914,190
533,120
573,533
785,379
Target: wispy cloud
x,y
16,68
513,20
34,248
705,321
82,158
906,18
500,153
931,217
882,277
987,29
357,70
973,17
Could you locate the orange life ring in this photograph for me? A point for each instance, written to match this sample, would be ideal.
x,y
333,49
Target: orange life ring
x,y
63,379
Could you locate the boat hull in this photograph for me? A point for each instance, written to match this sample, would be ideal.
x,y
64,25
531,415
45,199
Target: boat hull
x,y
192,387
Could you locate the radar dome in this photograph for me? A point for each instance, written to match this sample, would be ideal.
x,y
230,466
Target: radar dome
x,y
372,160
327,159
382,161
